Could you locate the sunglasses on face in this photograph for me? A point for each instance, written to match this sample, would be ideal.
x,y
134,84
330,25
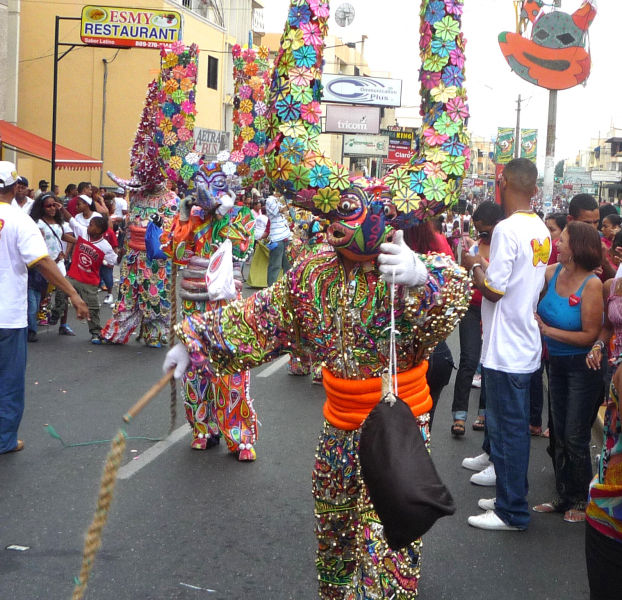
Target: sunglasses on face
x,y
482,235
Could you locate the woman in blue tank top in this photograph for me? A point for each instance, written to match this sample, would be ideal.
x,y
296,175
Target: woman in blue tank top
x,y
570,315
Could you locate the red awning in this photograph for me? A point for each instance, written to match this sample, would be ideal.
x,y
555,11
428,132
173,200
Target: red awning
x,y
25,142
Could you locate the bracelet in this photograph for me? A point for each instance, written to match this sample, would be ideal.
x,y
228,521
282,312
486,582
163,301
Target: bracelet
x,y
599,344
473,268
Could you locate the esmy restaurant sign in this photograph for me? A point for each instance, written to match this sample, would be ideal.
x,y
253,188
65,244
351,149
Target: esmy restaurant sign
x,y
116,26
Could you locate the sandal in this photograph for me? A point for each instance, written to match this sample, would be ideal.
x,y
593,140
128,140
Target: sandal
x,y
576,514
479,424
457,429
556,506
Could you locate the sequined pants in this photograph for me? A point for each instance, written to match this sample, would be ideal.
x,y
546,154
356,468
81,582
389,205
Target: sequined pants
x,y
144,301
354,561
221,404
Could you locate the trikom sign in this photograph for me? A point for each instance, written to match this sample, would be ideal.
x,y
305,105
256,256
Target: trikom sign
x,y
130,27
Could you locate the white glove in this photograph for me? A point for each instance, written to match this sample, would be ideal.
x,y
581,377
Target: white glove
x,y
177,357
226,204
398,258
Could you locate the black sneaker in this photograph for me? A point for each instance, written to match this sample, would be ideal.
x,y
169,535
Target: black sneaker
x,y
52,320
65,330
32,336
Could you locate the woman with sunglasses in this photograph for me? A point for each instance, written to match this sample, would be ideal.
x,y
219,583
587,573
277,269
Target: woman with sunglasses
x,y
485,217
46,214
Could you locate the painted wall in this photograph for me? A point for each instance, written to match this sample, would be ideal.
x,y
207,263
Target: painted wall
x,y
81,76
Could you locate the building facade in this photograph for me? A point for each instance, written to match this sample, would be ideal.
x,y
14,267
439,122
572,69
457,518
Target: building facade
x,y
101,90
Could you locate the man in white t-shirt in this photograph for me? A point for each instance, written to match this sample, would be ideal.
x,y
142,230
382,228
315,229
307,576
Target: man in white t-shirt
x,y
280,234
510,285
21,199
21,246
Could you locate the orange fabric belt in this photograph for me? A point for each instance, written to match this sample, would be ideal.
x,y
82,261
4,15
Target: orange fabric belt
x,y
137,237
349,401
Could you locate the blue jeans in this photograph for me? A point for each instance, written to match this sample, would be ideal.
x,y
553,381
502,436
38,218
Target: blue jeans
x,y
106,277
575,392
34,299
278,260
13,343
507,424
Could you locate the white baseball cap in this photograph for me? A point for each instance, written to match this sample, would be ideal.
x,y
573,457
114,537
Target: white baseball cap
x,y
8,174
88,200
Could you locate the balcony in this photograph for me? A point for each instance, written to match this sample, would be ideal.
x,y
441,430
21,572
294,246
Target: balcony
x,y
210,10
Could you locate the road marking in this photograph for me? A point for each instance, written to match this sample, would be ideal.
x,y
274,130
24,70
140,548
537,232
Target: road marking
x,y
131,468
274,367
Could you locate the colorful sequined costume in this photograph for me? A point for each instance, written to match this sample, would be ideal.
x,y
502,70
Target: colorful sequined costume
x,y
346,322
144,287
214,404
334,302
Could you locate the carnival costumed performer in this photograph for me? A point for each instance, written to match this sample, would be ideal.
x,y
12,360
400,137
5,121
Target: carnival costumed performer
x,y
214,404
162,151
336,300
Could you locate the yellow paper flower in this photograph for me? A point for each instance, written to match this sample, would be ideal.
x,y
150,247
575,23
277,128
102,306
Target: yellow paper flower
x,y
246,106
326,199
170,86
175,163
293,39
443,94
170,60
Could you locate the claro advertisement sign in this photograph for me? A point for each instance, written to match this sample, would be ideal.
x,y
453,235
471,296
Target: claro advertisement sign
x,y
129,27
352,89
352,119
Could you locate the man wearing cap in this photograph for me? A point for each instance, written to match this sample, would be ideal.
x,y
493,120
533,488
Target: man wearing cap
x,y
21,246
21,199
43,187
84,189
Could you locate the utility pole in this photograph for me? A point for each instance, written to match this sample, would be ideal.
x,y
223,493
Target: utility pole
x,y
517,139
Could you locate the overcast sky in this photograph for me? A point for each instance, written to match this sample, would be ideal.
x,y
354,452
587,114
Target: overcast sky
x,y
393,45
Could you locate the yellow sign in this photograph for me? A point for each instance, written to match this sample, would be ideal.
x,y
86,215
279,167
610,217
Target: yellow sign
x,y
130,27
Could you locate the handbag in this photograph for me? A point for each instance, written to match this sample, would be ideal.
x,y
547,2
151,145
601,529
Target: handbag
x,y
219,274
397,469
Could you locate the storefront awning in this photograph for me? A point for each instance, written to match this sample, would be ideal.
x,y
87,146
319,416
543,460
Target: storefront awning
x,y
23,141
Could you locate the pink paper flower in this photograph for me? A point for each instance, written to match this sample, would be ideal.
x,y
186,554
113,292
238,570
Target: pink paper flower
x,y
184,134
250,149
456,58
311,112
456,109
433,137
311,33
429,79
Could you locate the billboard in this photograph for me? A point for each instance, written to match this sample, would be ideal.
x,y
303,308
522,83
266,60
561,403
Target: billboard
x,y
129,27
504,146
353,89
352,119
400,145
209,142
365,145
529,144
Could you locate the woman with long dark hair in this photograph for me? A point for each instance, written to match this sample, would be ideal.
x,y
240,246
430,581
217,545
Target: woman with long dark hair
x,y
47,215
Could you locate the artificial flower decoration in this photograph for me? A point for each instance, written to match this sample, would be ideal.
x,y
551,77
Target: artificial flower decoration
x,y
423,187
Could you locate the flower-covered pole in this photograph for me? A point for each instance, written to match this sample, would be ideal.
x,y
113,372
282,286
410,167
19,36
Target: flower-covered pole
x,y
251,77
432,179
176,114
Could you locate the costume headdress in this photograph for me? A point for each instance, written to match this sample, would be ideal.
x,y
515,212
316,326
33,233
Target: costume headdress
x,y
163,146
431,180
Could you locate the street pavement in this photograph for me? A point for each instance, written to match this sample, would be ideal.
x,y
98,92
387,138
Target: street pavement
x,y
200,525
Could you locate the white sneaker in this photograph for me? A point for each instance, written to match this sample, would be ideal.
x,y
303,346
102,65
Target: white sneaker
x,y
486,503
477,381
477,463
487,477
489,520
108,299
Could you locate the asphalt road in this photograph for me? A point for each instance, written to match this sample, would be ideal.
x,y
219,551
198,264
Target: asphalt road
x,y
200,525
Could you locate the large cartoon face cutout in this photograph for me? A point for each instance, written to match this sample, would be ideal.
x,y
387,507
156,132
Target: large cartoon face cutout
x,y
210,182
555,57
